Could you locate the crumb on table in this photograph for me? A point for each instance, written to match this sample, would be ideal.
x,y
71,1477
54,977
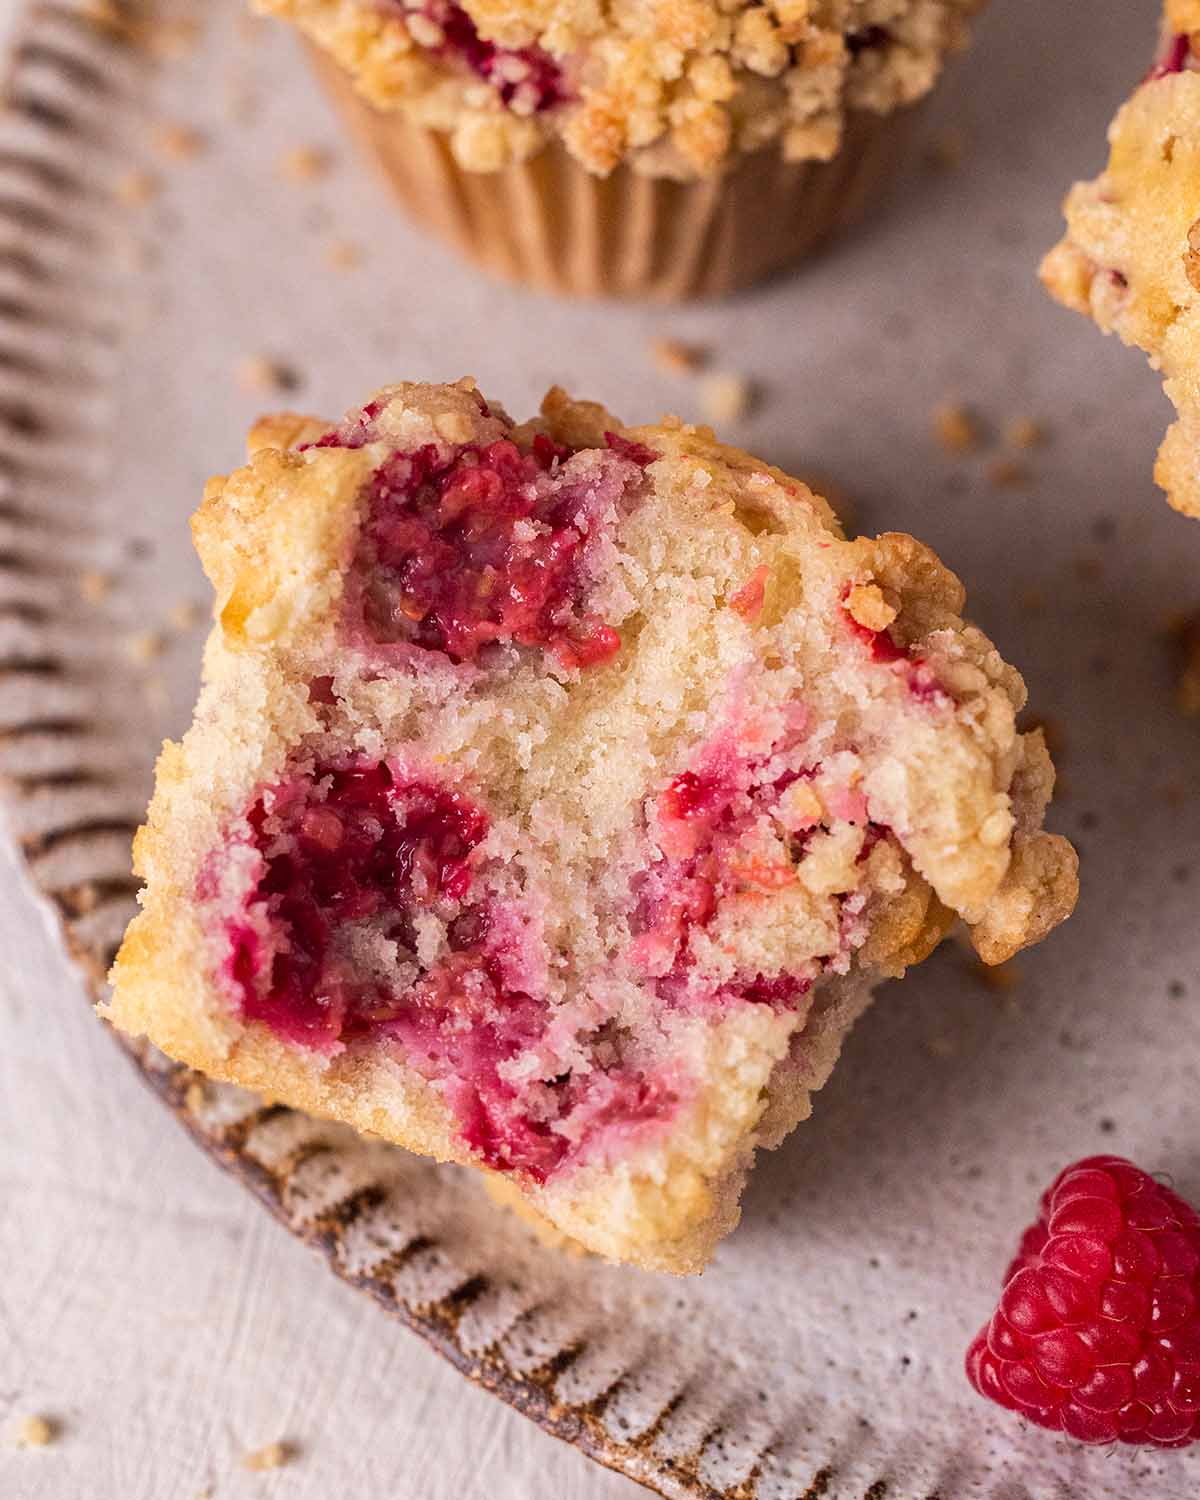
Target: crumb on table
x,y
145,646
955,427
725,398
95,585
1007,474
137,187
179,142
1025,432
272,1456
674,357
344,255
946,150
1185,632
305,163
33,1431
260,374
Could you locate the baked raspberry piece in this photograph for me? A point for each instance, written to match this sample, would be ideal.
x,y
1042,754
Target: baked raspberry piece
x,y
1131,256
1098,1330
556,795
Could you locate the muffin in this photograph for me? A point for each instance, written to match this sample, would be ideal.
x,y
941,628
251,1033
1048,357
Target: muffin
x,y
674,149
1131,255
557,794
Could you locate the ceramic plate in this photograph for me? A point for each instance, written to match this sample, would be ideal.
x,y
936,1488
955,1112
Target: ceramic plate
x,y
142,287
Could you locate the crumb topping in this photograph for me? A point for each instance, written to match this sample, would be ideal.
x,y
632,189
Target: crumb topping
x,y
1130,259
676,86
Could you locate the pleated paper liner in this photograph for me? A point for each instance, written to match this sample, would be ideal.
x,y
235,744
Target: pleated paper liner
x,y
551,224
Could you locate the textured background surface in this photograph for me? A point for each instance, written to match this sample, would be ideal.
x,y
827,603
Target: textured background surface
x,y
152,1308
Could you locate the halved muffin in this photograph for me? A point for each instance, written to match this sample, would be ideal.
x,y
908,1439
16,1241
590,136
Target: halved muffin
x,y
556,795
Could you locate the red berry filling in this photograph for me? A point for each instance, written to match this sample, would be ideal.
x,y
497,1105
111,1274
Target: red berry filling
x,y
1098,1330
1175,57
362,870
918,674
489,544
527,79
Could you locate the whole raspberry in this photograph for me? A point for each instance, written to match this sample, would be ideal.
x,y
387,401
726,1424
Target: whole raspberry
x,y
1098,1329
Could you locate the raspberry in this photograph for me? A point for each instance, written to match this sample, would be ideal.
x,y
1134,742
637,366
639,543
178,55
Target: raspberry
x,y
1098,1329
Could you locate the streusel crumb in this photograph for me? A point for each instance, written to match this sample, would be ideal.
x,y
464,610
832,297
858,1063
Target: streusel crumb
x,y
675,86
95,585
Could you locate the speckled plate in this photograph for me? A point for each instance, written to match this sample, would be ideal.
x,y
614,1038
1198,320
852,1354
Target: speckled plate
x,y
821,1355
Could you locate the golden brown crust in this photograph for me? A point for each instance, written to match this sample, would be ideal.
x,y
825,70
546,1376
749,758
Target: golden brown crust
x,y
962,790
673,85
1131,255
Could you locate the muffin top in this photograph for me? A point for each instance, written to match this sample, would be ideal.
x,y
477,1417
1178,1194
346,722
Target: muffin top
x,y
1131,256
675,87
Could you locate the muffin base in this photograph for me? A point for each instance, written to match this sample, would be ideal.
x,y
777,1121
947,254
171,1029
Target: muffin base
x,y
551,224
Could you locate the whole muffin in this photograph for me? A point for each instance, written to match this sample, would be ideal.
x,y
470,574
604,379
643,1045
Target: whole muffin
x,y
666,149
557,794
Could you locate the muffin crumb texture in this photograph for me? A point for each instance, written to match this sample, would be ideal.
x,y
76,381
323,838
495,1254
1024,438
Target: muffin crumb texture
x,y
675,86
557,794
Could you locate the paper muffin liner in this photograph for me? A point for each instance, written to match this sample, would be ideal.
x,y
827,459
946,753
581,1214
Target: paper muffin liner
x,y
550,223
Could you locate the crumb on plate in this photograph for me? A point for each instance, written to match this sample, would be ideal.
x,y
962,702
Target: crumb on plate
x,y
179,142
1025,432
674,357
260,374
33,1431
955,427
1007,474
946,150
725,398
137,187
344,255
272,1456
305,163
186,614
